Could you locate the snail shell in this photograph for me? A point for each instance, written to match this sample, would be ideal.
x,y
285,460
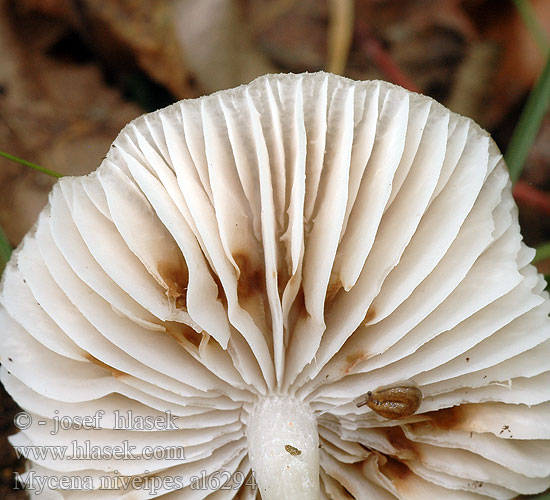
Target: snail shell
x,y
393,402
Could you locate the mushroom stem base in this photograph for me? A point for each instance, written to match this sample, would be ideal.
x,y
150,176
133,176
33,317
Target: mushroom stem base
x,y
283,445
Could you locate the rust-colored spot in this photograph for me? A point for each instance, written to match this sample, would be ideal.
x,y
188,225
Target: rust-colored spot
x,y
405,448
300,304
395,470
114,372
281,283
176,277
251,279
370,315
353,359
332,290
446,418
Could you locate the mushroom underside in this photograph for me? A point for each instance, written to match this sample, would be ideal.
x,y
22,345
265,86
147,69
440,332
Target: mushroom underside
x,y
243,269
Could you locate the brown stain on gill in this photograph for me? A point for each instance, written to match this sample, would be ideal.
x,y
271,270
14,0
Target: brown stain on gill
x,y
332,290
251,279
352,360
176,278
300,304
405,449
114,372
447,418
394,470
370,315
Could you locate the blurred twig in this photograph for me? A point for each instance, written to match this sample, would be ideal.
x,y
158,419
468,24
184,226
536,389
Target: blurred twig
x,y
340,34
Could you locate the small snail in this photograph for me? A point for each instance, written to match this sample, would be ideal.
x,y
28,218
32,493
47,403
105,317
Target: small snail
x,y
393,402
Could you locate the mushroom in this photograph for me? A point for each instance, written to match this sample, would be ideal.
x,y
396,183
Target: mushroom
x,y
315,279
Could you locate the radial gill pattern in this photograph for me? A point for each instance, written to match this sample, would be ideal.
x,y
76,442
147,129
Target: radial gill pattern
x,y
318,279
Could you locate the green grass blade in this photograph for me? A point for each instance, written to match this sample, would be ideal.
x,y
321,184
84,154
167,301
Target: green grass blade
x,y
543,252
5,250
31,165
530,19
529,123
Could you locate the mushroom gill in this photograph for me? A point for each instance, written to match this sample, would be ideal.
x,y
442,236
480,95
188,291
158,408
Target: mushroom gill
x,y
317,279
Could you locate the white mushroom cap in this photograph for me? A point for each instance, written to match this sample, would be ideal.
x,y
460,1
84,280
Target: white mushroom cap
x,y
254,262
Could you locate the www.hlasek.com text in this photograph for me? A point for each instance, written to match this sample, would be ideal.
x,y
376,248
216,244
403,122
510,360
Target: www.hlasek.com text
x,y
86,450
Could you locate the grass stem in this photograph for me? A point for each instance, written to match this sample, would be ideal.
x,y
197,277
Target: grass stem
x,y
31,165
5,250
529,123
529,17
